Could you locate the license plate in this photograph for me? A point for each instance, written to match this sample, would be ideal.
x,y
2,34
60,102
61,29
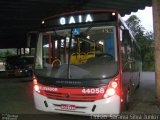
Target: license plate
x,y
68,107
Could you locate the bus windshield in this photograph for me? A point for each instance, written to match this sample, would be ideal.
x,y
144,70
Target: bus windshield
x,y
78,53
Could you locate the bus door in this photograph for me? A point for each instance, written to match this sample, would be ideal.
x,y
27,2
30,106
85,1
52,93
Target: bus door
x,y
55,48
60,48
127,63
47,48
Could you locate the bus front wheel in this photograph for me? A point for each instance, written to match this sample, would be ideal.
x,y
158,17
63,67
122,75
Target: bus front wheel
x,y
127,100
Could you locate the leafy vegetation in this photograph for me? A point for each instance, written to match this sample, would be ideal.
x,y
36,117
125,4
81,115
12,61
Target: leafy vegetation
x,y
6,52
145,41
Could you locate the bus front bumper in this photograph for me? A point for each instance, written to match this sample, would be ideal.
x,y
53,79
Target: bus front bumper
x,y
107,106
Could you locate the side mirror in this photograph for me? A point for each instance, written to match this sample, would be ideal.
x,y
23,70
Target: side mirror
x,y
125,35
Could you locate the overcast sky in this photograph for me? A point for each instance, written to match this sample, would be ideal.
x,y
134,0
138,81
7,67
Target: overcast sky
x,y
145,16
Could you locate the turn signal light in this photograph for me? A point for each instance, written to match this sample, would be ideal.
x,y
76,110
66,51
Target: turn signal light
x,y
34,81
114,84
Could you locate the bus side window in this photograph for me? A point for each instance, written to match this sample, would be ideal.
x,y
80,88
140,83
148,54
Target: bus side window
x,y
126,49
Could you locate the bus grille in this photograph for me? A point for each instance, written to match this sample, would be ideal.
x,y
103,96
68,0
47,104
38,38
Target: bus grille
x,y
71,97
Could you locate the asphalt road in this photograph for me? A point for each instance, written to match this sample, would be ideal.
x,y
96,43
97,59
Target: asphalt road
x,y
16,101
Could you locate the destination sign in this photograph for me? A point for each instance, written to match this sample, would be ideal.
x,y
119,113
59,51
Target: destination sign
x,y
75,19
78,18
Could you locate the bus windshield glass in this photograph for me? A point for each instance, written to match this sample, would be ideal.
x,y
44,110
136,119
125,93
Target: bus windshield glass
x,y
78,53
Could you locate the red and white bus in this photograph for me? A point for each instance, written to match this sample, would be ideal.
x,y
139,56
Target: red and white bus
x,y
87,62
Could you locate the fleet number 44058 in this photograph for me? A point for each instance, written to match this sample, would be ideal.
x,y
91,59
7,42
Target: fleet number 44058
x,y
93,91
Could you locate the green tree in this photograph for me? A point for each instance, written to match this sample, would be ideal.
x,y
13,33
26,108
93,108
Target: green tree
x,y
7,52
145,40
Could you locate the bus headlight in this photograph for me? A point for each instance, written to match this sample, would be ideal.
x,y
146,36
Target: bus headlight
x,y
36,88
112,88
110,92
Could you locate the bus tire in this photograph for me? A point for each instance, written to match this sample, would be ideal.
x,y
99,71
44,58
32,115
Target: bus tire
x,y
138,81
138,85
128,100
126,104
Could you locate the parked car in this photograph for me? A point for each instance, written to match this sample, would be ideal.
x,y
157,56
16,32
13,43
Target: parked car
x,y
19,65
